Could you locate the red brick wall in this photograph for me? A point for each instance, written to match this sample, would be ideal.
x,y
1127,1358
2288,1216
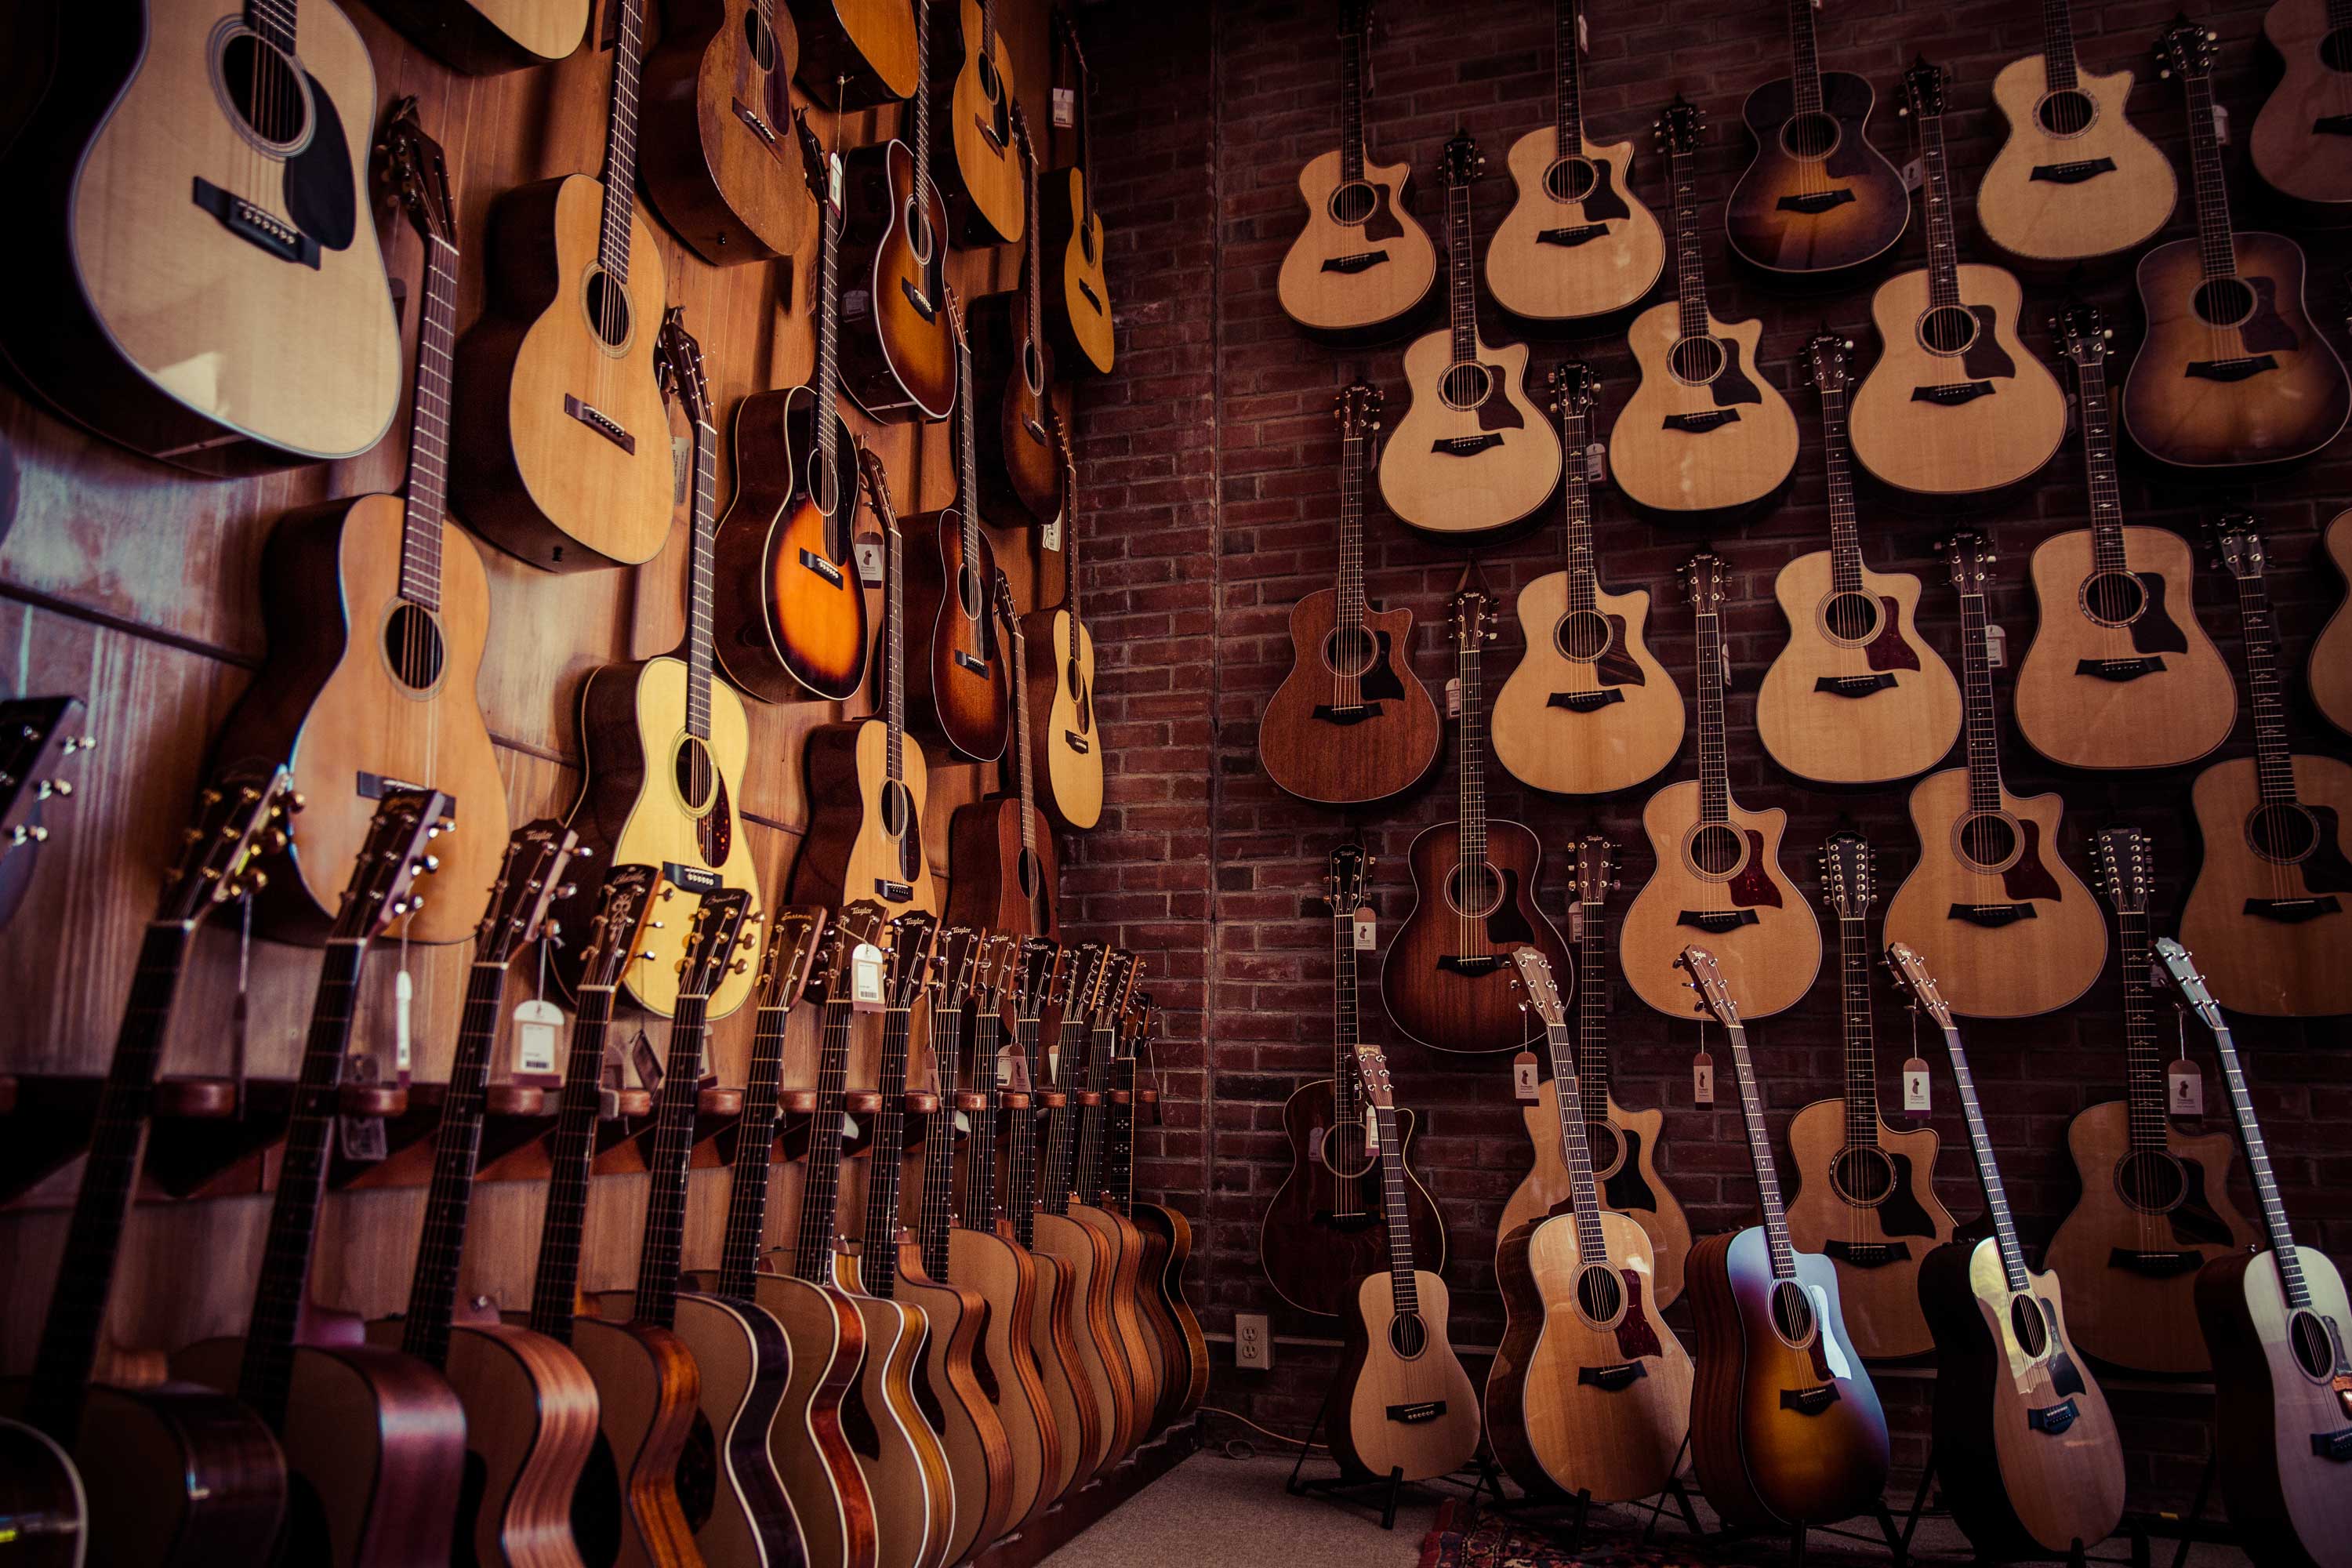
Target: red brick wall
x,y
1209,463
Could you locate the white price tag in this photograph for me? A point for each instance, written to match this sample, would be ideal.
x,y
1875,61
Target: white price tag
x,y
2220,125
403,997
1583,36
1915,174
1524,1082
1013,1070
1914,1087
2184,1090
1066,106
866,978
1996,646
1596,462
1368,936
681,464
1703,1079
1050,536
1454,697
537,1023
868,549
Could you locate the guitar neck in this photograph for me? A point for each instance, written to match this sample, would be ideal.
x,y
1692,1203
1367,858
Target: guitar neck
x,y
1119,1135
2217,244
821,1192
621,146
1591,1012
2057,46
920,107
1346,1089
1760,1153
1471,768
661,1253
69,1335
2097,409
894,667
1567,112
878,1262
1023,769
701,580
749,1172
823,430
1980,726
1576,1148
1021,1148
266,1376
428,444
980,1204
1405,1290
2273,753
1354,45
2143,1050
1032,261
1690,251
1054,1196
555,1289
2258,1164
457,1149
1861,1040
1936,198
1582,569
939,1141
968,465
2012,1255
1804,53
1350,612
1461,276
1845,523
1093,1120
1714,768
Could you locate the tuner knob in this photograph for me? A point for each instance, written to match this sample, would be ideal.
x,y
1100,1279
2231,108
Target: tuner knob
x,y
585,852
254,880
655,925
39,835
295,801
649,955
413,902
739,966
428,864
78,743
667,892
61,788
569,890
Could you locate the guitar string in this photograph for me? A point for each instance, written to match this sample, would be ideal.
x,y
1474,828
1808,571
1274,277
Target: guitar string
x,y
2274,758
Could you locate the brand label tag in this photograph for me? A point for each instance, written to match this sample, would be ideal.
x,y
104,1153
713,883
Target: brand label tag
x,y
866,548
1703,1079
1066,106
2220,125
866,978
1914,1086
1524,1082
2184,1090
1996,646
681,464
1050,536
537,1021
648,1065
1367,932
1454,697
1915,174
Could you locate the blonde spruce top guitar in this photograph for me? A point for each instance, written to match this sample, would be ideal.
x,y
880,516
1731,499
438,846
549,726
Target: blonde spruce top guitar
x,y
1472,456
485,37
1706,431
1363,262
1857,696
2075,180
2120,675
1990,904
1957,405
1577,242
1589,709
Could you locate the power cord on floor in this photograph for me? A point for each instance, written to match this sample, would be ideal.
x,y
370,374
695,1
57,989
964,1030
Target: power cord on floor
x,y
1242,1448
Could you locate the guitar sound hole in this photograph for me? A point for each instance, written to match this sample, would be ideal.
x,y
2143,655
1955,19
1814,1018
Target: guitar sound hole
x,y
1863,1176
2314,1346
412,645
1031,876
991,84
1466,385
1716,849
1349,650
2025,1321
1033,368
1792,1312
1852,617
1987,841
1570,179
2151,1180
1947,328
2067,114
1606,1146
2335,50
1408,1335
1696,359
1353,203
1583,634
758,40
895,812
969,594
2224,301
1809,136
1600,1293
2113,598
694,773
608,307
1346,1151
2284,833
1475,890
266,90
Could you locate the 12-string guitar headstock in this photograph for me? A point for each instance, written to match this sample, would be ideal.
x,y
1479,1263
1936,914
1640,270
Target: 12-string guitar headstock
x,y
2178,972
2125,869
1846,874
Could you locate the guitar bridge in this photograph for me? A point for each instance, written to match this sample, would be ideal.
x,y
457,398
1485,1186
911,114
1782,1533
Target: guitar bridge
x,y
2153,1265
1853,684
2120,668
1812,202
1076,742
1416,1415
2336,1445
1809,1401
257,225
1610,1379
1465,445
759,127
892,892
972,662
812,561
1951,395
2074,174
2243,367
916,297
1992,916
2294,912
1353,713
2052,1418
1345,1225
1584,701
604,424
2332,125
1570,238
1472,965
1868,1254
1701,423
1348,266
1716,921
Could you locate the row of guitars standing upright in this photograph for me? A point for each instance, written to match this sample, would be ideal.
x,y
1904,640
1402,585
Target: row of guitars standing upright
x,y
900,1391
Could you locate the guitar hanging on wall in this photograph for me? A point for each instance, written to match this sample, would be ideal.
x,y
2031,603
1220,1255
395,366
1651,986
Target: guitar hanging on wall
x,y
978,172
1023,463
1077,311
899,353
718,159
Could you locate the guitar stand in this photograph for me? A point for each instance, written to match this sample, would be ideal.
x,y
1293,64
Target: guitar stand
x,y
1333,1488
1897,1542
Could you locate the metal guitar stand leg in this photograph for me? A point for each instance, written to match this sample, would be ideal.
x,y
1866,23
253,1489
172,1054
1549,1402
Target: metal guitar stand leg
x,y
1674,1489
1329,1487
1292,1486
1919,1498
2196,1512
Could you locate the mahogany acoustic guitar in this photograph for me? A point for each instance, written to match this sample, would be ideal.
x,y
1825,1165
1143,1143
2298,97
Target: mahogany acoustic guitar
x,y
1136,1333
2302,141
978,172
485,37
1023,463
1785,1425
1167,1234
1003,869
2276,1321
855,54
898,353
1589,709
1350,723
2036,1466
717,156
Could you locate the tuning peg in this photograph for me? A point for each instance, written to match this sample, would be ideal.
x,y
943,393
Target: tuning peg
x,y
254,880
649,955
667,892
569,890
296,801
47,787
428,864
412,903
655,925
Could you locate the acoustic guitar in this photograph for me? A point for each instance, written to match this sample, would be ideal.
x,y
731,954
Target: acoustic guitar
x,y
1576,243
1445,978
530,1406
1167,1234
865,786
666,741
39,737
485,37
1402,1408
2119,674
1589,709
958,687
1024,464
1322,1230
1139,1349
2026,1445
1785,1424
2232,374
1077,312
1005,872
2302,141
1817,199
1856,695
2074,179
2328,674
1058,680
1719,864
2267,909
717,160
786,589
855,54
1957,406
374,1441
192,214
378,608
899,355
1865,1190
175,1476
562,451
1589,1391
1350,723
978,172
1472,456
1362,263
2275,1321
1991,904
1621,1146
2155,1205
1706,432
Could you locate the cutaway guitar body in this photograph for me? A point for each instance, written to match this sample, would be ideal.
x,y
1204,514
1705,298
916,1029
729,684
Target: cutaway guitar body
x,y
1624,1151
1589,709
1402,1405
1957,405
812,1454
1856,697
2277,1393
1003,1277
1446,977
914,1498
1577,242
743,1367
1318,1239
2074,180
972,1438
1719,883
1088,1263
1872,1210
1706,430
1363,263
2301,140
1351,722
1472,454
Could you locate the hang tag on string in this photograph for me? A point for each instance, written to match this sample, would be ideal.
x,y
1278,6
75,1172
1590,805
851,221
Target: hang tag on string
x,y
1703,1072
240,1015
538,1022
1525,1083
648,1065
1915,1081
1996,647
2184,1080
1368,929
1454,697
866,978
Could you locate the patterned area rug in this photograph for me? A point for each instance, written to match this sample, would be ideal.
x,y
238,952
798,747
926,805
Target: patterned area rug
x,y
1479,1538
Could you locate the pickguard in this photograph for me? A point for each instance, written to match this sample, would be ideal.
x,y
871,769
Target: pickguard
x,y
1753,887
2326,869
1498,411
1624,1188
1887,650
1616,666
714,830
1505,928
2027,877
1734,385
1985,358
2194,1223
1900,1213
321,196
2156,631
1635,1337
2267,330
1379,681
1382,222
1602,202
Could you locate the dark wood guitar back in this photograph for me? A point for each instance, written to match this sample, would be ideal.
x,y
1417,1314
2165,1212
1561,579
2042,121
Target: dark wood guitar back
x,y
1317,1240
1454,994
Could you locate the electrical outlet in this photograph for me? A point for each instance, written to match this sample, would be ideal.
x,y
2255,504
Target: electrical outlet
x,y
1253,1345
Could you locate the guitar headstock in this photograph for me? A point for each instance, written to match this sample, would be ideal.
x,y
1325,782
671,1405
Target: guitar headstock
x,y
1574,387
1679,128
1706,580
877,480
795,938
2239,547
625,912
1461,161
709,954
2125,869
1472,614
860,925
240,821
955,967
36,732
996,973
1846,874
1083,980
1355,18
1715,997
679,360
1373,1069
1347,878
908,959
1028,149
2178,973
419,173
1969,556
1911,974
1358,409
1830,358
1032,982
383,877
2082,333
2185,49
1596,868
1923,88
820,168
1118,989
1533,980
531,879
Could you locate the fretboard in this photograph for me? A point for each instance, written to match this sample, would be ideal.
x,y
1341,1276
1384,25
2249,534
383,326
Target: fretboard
x,y
1119,1110
980,1205
1470,770
2099,454
823,430
968,474
1023,768
2217,246
1714,767
1845,530
429,441
877,1268
1582,567
274,20
69,1335
1805,60
1979,725
1349,614
1346,1089
1936,201
820,1190
1575,1147
2258,1161
1860,1041
1021,1132
621,145
920,107
1567,112
555,1289
1058,1181
2057,46
2144,1051
1690,250
701,577
1760,1153
457,1148
1405,1290
1461,274
939,1141
894,644
2273,755
1592,1010
266,1376
1353,47
1094,1119
661,1253
2012,1255
1034,258
748,1177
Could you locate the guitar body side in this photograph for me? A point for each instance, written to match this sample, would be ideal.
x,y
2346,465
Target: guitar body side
x,y
2328,676
1823,735
914,1499
1629,1166
1484,492
2288,1505
1375,1381
1713,468
1187,1353
1005,1278
744,1366
1086,1258
1549,745
648,1391
1138,1355
1541,279
1314,1263
1062,1371
1316,755
2293,158
1974,445
1352,299
1881,1301
2058,218
812,1456
972,1437
1770,962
